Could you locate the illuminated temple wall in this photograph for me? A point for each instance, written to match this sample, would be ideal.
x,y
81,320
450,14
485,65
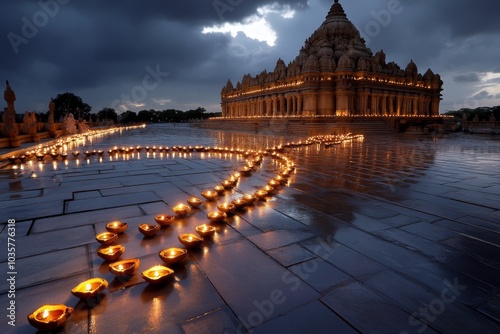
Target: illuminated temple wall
x,y
335,74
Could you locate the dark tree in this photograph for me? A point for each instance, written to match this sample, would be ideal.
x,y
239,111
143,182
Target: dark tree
x,y
128,117
108,114
70,103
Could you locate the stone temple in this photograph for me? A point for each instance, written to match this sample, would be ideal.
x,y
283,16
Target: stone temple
x,y
335,74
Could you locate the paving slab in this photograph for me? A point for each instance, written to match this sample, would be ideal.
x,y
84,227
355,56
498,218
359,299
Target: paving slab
x,y
367,312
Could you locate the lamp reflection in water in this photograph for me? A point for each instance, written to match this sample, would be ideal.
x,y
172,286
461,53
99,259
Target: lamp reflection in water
x,y
172,255
157,274
190,240
49,317
111,253
90,288
125,267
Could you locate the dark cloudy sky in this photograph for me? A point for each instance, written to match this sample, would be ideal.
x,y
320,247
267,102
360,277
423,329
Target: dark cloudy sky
x,y
157,54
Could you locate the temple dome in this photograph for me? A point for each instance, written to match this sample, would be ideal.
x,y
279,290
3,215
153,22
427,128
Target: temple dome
x,y
311,64
345,63
338,34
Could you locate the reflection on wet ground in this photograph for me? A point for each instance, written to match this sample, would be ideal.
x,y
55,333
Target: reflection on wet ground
x,y
390,234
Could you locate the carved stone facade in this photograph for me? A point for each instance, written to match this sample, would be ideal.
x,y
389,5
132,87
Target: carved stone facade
x,y
335,74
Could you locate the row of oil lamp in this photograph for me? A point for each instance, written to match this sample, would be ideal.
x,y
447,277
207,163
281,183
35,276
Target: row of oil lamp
x,y
41,154
329,140
54,149
50,317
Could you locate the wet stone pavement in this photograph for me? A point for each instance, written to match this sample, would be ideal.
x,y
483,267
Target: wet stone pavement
x,y
390,234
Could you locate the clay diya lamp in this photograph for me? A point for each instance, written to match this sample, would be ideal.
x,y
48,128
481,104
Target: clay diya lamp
x,y
90,288
76,154
227,184
181,210
205,230
194,201
269,189
88,154
138,148
149,230
273,183
219,189
226,207
260,194
216,216
64,155
172,255
245,170
116,227
106,238
125,267
50,317
249,198
236,175
111,253
12,159
164,220
210,195
280,179
157,274
239,203
190,240
39,156
100,153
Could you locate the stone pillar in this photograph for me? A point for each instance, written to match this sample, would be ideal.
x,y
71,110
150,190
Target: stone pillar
x,y
281,104
274,109
299,105
399,105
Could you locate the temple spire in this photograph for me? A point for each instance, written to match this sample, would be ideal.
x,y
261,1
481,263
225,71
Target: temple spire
x,y
336,11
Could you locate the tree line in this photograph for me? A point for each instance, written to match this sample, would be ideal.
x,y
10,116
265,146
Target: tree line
x,y
483,113
70,103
